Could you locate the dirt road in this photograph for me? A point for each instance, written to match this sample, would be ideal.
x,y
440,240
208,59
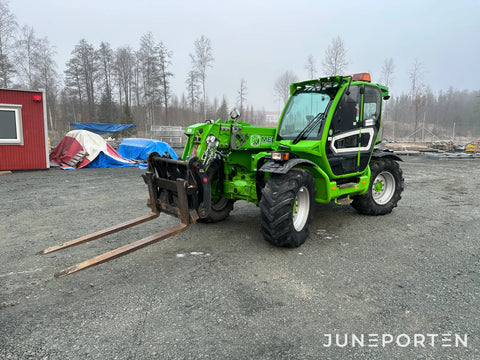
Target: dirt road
x,y
219,291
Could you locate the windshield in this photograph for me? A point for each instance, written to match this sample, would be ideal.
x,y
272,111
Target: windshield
x,y
301,109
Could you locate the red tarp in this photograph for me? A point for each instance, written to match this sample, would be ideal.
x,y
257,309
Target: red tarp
x,y
81,148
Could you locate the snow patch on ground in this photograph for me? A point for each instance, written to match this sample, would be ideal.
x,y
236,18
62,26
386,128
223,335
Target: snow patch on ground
x,y
193,253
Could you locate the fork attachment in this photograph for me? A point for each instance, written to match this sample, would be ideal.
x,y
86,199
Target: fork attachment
x,y
162,174
178,188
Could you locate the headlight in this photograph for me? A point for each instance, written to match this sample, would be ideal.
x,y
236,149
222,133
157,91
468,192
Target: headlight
x,y
280,156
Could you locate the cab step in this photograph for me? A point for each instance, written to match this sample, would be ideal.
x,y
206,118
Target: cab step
x,y
343,201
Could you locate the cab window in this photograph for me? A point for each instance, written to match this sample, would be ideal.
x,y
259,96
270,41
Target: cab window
x,y
347,114
371,106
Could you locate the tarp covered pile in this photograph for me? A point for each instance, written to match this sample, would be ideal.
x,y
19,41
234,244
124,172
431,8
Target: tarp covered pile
x,y
138,149
81,148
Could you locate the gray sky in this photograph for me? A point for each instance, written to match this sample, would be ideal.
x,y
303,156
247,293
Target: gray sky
x,y
258,40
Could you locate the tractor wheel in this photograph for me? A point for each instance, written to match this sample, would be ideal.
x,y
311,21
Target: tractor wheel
x,y
220,209
287,208
384,192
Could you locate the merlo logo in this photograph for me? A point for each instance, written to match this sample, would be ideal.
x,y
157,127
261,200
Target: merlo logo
x,y
255,140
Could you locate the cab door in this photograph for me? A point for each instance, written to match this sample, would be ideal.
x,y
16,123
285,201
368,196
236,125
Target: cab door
x,y
353,130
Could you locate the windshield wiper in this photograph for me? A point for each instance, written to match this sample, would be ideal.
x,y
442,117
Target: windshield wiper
x,y
309,127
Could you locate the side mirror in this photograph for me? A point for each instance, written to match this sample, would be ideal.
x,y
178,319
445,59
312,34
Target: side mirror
x,y
235,114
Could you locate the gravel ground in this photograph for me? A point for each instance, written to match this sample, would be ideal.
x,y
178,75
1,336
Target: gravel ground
x,y
220,291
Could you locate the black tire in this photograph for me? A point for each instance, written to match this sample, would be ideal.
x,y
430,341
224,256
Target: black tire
x,y
384,192
220,209
287,208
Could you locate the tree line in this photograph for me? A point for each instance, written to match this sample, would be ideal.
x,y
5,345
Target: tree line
x,y
113,85
126,85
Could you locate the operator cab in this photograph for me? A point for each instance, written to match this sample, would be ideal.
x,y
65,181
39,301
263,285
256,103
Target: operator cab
x,y
343,111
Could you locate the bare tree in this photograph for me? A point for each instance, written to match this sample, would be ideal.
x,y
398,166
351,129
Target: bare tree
x,y
164,61
105,60
8,27
281,89
193,90
124,68
417,90
81,74
311,67
26,55
149,74
74,87
202,59
46,76
36,68
242,95
87,54
388,69
335,60
137,79
155,60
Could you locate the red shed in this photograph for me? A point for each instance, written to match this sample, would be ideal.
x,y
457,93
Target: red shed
x,y
23,130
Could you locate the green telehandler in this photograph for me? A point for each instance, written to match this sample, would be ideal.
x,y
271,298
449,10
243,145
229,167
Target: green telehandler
x,y
323,149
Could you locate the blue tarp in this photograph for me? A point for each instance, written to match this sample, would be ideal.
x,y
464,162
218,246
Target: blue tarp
x,y
105,161
138,149
101,128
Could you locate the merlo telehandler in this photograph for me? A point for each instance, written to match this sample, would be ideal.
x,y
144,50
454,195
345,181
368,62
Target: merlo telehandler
x,y
323,149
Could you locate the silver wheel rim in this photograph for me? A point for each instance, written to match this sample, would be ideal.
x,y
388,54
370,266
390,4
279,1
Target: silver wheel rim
x,y
383,188
301,208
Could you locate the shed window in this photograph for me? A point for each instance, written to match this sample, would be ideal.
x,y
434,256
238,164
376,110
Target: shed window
x,y
11,124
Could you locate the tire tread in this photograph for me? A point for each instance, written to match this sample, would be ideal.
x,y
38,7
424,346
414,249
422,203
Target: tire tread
x,y
276,205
